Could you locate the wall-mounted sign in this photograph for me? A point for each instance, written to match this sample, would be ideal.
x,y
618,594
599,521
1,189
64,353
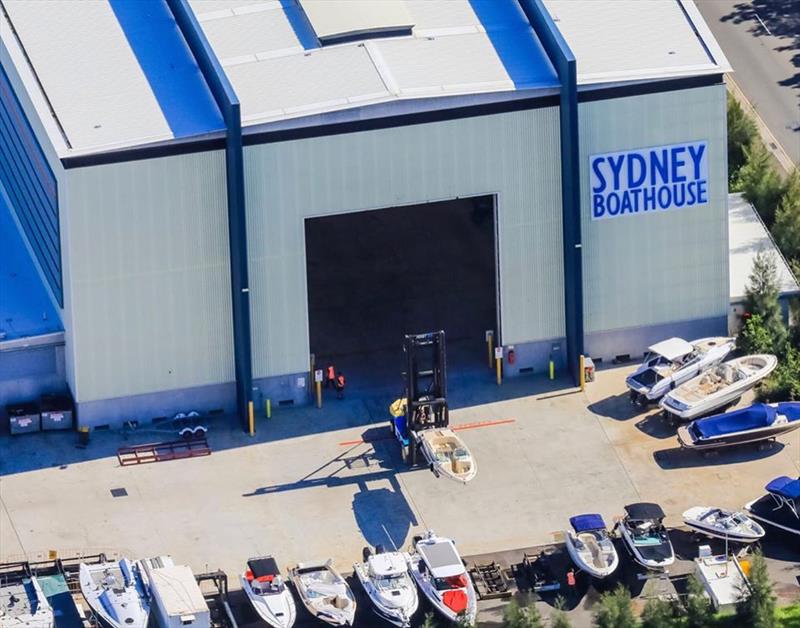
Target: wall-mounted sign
x,y
647,180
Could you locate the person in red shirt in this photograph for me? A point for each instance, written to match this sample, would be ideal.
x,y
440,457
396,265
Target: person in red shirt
x,y
330,377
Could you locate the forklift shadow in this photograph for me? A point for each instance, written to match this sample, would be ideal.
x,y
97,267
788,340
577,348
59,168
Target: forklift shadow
x,y
383,516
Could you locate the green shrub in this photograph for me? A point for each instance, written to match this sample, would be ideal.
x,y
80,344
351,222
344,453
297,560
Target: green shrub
x,y
699,611
660,614
524,615
741,131
614,610
786,229
757,610
759,182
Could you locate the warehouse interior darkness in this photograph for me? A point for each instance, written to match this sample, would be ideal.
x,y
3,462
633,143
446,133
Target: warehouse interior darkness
x,y
376,275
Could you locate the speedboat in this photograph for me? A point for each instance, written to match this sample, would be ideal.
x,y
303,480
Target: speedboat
x,y
643,532
439,572
24,605
117,592
670,363
748,425
268,593
736,527
324,592
389,586
780,507
447,454
718,387
590,547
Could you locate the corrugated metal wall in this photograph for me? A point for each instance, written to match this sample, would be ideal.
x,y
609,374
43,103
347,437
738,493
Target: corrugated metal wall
x,y
514,155
661,267
150,276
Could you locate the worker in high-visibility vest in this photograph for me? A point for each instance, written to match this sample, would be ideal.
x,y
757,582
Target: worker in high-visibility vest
x,y
340,382
398,407
330,377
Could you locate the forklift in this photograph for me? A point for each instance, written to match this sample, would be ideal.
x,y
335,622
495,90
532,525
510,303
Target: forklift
x,y
424,404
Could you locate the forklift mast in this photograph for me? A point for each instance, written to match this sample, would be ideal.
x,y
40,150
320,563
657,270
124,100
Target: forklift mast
x,y
426,385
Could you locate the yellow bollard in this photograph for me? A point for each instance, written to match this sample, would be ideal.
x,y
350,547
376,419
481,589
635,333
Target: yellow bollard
x,y
552,369
489,346
251,415
319,394
582,375
499,367
268,410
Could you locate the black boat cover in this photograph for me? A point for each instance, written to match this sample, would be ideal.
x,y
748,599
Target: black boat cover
x,y
263,567
644,511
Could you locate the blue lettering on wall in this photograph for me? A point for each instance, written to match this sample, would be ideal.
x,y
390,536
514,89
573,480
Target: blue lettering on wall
x,y
661,178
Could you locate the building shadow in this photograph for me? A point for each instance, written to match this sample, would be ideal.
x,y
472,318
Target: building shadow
x,y
679,458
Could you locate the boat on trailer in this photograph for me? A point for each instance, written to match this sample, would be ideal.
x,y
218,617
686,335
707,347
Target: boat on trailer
x,y
117,592
268,593
447,454
590,547
719,523
389,586
780,507
669,363
755,423
718,387
324,592
23,605
643,532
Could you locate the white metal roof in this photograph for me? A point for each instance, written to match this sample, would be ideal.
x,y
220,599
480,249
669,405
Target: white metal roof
x,y
747,235
442,558
178,590
627,40
339,18
280,73
87,70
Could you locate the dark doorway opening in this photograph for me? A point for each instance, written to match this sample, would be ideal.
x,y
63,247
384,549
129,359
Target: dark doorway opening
x,y
376,275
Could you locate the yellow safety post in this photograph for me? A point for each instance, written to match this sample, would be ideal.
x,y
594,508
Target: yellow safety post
x,y
490,345
499,368
268,409
319,394
251,416
582,376
552,368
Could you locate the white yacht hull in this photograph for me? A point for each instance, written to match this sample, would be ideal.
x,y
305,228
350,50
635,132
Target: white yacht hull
x,y
131,612
462,471
331,609
585,563
693,519
391,613
41,615
276,609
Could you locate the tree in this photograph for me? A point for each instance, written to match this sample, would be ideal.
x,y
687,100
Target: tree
x,y
754,336
784,383
429,622
741,131
614,610
786,229
759,182
699,611
660,614
559,619
463,621
761,297
524,615
757,610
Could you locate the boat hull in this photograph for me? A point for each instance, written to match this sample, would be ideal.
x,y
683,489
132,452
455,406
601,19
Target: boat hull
x,y
659,564
586,567
687,441
138,617
764,510
268,609
396,616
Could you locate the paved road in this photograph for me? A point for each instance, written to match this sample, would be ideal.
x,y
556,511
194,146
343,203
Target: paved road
x,y
765,58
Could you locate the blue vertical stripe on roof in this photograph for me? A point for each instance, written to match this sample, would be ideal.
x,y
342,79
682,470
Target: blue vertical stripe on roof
x,y
515,42
300,25
170,68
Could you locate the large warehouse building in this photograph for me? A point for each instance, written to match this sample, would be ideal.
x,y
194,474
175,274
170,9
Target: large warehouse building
x,y
214,190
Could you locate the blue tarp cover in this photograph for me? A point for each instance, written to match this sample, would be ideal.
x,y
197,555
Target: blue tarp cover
x,y
585,523
785,487
757,415
790,409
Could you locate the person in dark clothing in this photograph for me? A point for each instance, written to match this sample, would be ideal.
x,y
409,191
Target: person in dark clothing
x,y
340,382
330,377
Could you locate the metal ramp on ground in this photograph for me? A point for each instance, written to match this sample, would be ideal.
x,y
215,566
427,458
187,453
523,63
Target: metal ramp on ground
x,y
160,452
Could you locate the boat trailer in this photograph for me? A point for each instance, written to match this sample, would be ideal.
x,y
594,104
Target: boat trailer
x,y
159,452
425,392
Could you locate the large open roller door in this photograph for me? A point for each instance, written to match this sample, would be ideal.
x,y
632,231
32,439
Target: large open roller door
x,y
376,275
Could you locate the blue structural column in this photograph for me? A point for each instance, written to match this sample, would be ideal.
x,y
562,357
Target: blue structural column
x,y
228,103
564,61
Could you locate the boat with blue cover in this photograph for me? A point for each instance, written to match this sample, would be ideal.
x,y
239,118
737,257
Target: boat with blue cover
x,y
749,425
590,547
780,507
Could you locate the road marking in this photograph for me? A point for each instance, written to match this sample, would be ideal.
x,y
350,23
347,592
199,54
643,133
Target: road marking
x,y
455,428
760,21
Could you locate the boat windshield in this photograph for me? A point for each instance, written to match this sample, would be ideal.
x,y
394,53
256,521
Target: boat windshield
x,y
656,359
389,582
647,378
451,582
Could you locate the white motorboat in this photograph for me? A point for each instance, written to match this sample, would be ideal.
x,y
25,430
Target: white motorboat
x,y
643,532
780,507
447,454
117,592
735,527
590,547
669,363
24,605
268,593
324,592
717,387
439,572
389,586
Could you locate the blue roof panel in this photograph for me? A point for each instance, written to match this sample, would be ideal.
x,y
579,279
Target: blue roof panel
x,y
25,307
512,36
168,64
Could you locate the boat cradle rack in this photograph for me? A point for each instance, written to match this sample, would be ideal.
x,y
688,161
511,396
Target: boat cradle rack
x,y
535,572
491,581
